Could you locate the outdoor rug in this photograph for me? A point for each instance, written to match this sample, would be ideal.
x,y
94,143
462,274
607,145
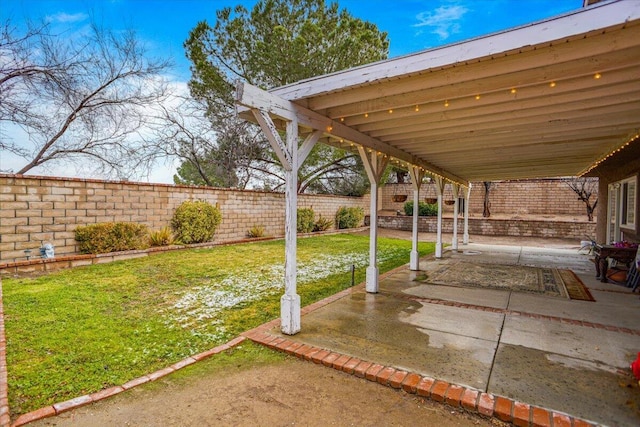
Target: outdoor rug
x,y
575,288
518,278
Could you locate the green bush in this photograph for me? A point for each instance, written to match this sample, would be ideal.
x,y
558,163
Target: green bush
x,y
349,217
162,237
195,221
424,209
112,237
306,218
322,224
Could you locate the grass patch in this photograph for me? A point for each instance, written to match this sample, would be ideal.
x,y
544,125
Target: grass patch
x,y
78,331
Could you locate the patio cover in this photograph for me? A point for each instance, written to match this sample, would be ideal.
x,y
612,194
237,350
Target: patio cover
x,y
549,99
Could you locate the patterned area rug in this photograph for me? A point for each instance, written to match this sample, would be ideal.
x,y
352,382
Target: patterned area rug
x,y
533,280
575,288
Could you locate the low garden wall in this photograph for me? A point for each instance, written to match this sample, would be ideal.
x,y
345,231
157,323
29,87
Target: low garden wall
x,y
495,227
536,197
37,209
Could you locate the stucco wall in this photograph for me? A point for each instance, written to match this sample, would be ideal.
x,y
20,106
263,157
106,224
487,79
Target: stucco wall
x,y
36,209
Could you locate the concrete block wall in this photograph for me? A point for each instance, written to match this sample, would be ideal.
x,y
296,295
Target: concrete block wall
x,y
44,209
495,227
513,198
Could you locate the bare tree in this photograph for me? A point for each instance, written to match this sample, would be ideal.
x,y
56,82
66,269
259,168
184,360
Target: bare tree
x,y
79,99
220,156
486,207
585,188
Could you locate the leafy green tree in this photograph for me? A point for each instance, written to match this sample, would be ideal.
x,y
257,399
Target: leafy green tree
x,y
276,43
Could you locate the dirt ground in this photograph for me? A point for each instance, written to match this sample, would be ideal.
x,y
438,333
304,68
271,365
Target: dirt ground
x,y
284,393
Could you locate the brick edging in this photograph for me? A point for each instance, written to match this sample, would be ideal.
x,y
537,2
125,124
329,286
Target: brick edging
x,y
57,408
472,400
4,389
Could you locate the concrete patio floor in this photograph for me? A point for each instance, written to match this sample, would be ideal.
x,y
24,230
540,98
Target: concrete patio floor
x,y
567,356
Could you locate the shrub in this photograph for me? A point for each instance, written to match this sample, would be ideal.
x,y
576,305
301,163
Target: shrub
x,y
195,221
349,217
112,237
424,209
256,231
162,237
322,224
306,217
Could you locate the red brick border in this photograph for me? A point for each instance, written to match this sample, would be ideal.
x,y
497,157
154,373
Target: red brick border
x,y
475,401
4,390
57,408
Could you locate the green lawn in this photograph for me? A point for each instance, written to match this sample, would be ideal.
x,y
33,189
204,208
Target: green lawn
x,y
78,331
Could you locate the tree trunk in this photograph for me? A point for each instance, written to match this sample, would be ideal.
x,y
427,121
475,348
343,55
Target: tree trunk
x,y
486,210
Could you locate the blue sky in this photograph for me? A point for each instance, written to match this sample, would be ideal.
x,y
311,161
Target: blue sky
x,y
163,26
412,25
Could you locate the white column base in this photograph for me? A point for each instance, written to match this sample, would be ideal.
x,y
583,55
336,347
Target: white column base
x,y
439,250
372,280
465,239
290,314
414,263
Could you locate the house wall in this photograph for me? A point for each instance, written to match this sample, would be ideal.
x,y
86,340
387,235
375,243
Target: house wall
x,y
625,164
551,197
36,209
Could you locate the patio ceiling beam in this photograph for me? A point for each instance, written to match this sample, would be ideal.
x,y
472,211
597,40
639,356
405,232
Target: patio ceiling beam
x,y
492,74
551,116
253,97
558,99
580,124
555,30
531,80
551,140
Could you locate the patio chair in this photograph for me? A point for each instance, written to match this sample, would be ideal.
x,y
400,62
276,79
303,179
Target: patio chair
x,y
633,275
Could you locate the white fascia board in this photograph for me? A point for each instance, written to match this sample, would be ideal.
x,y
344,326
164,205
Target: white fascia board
x,y
596,17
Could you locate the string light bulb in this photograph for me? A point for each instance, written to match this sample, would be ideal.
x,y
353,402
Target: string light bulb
x,y
366,115
552,84
597,76
446,103
513,90
390,111
477,97
417,108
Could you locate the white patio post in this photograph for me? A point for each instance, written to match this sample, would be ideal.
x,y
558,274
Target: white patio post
x,y
290,301
374,164
439,189
467,196
417,175
456,209
291,158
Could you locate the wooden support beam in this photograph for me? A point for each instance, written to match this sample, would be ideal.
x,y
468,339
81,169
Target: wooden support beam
x,y
270,131
375,165
417,176
440,191
253,97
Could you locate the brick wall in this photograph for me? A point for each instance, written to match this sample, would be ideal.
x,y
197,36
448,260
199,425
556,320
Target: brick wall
x,y
513,198
495,227
36,209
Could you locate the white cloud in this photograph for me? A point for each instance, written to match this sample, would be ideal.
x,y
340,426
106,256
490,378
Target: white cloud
x,y
443,21
65,18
